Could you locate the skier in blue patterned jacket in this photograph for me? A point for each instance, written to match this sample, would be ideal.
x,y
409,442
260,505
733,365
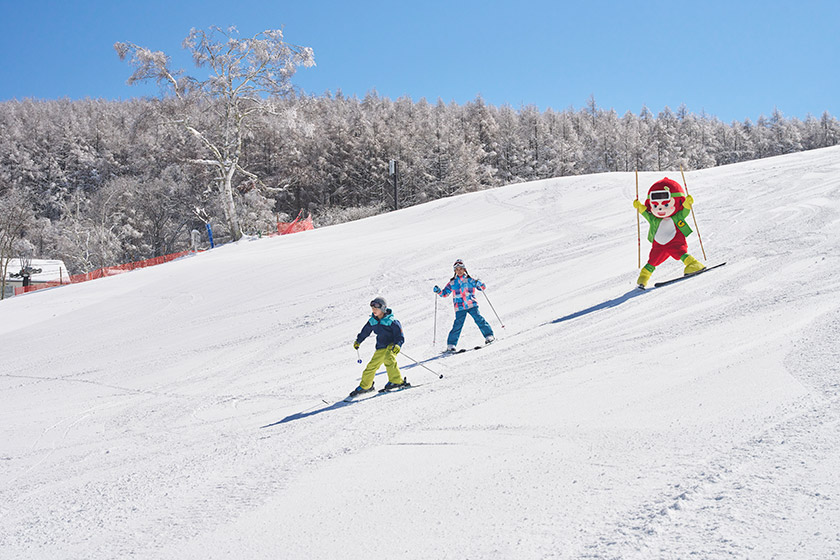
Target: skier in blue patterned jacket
x,y
462,287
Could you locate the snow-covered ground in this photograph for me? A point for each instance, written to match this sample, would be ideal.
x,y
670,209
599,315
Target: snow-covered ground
x,y
697,419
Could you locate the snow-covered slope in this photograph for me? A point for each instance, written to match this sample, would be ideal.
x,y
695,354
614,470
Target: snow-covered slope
x,y
699,418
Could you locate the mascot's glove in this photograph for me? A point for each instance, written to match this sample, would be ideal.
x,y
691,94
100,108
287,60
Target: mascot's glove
x,y
436,290
356,345
640,206
688,202
395,349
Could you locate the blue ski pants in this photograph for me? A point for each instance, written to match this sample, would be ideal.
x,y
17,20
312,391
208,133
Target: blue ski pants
x,y
460,317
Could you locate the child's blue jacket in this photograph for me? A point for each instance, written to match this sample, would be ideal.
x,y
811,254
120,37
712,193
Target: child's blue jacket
x,y
388,330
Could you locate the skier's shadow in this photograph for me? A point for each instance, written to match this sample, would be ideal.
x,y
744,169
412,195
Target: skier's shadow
x,y
308,413
615,302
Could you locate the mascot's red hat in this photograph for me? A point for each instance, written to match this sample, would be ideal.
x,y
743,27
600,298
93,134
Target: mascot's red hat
x,y
674,190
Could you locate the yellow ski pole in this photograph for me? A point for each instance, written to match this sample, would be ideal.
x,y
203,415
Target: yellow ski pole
x,y
638,224
693,215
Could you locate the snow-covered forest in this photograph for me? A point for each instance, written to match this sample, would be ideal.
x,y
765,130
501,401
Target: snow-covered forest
x,y
104,182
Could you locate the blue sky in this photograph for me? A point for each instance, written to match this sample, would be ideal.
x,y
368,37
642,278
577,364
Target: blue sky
x,y
733,59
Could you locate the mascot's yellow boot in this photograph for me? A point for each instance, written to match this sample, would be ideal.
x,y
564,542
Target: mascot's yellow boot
x,y
644,275
692,265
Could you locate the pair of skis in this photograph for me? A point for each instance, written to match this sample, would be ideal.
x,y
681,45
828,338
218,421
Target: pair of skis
x,y
686,277
461,351
371,394
325,405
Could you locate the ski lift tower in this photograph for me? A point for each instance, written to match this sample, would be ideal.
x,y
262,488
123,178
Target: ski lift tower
x,y
394,176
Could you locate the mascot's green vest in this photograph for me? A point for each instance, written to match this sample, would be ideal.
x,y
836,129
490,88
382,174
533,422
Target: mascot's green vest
x,y
679,221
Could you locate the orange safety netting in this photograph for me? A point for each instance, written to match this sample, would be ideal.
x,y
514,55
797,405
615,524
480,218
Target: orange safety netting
x,y
103,272
284,228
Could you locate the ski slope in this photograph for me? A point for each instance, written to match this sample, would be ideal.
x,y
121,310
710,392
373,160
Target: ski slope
x,y
698,419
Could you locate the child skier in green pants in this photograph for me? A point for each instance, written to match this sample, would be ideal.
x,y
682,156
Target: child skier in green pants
x,y
389,339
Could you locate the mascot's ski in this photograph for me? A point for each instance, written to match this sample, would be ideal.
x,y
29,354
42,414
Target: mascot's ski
x,y
687,276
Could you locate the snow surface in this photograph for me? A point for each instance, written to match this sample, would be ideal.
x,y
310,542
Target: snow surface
x,y
695,420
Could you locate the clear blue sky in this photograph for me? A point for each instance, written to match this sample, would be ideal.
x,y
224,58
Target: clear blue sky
x,y
732,59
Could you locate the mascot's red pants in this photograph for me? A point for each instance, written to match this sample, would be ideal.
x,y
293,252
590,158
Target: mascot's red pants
x,y
675,248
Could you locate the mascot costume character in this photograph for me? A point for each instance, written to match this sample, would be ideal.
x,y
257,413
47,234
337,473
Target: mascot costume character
x,y
666,210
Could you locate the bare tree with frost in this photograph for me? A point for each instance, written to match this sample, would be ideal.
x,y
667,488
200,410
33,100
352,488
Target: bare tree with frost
x,y
242,72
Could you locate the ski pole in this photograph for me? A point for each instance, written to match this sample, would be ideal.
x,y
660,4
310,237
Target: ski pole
x,y
638,224
434,333
694,216
440,375
359,354
493,308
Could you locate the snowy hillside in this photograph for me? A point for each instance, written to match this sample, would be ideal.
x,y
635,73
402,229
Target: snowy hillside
x,y
605,422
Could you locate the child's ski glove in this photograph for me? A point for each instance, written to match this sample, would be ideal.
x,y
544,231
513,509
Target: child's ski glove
x,y
395,349
436,289
640,206
356,345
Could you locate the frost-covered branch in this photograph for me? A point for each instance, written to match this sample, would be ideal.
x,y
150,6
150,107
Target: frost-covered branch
x,y
242,71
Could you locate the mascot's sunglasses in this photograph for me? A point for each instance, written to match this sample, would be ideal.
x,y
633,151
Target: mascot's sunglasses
x,y
660,197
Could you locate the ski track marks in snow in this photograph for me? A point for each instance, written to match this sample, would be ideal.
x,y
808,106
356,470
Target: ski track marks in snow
x,y
753,501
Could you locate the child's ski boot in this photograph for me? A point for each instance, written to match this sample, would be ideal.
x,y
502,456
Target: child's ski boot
x,y
395,386
360,391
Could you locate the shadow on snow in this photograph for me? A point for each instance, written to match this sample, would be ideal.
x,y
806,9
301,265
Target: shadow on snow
x,y
615,302
342,403
334,406
309,412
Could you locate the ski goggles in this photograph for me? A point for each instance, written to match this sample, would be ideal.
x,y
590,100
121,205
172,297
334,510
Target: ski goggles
x,y
377,304
659,197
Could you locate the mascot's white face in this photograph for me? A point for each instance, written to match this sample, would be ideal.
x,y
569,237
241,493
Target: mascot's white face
x,y
662,204
663,209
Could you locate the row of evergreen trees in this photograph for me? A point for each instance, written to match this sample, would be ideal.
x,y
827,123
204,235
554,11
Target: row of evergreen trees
x,y
110,181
